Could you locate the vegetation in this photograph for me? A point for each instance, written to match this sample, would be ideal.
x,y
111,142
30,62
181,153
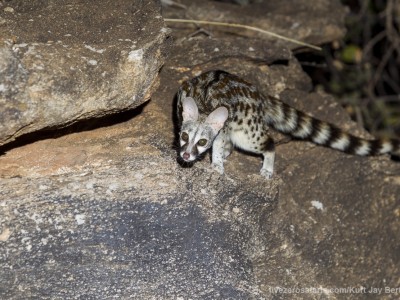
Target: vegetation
x,y
363,70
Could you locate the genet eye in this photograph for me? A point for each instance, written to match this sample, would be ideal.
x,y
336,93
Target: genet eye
x,y
202,142
184,136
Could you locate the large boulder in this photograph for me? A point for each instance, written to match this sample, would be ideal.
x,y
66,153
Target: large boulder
x,y
61,62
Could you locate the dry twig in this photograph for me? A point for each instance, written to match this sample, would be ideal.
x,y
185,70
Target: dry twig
x,y
278,36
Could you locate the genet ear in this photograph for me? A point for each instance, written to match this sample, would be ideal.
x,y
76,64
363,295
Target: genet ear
x,y
189,109
217,118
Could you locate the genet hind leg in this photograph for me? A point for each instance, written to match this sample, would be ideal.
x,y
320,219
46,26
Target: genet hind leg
x,y
268,151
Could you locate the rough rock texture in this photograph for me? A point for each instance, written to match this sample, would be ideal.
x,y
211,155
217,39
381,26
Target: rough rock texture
x,y
90,217
61,62
308,21
106,211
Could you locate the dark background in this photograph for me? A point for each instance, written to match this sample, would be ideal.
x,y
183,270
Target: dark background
x,y
362,70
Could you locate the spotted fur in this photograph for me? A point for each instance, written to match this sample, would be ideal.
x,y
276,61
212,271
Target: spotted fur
x,y
227,111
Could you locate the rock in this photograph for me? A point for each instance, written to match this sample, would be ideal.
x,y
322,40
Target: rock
x,y
64,62
315,22
133,224
106,211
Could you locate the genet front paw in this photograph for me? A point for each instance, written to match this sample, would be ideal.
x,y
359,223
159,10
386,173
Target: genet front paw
x,y
267,174
218,168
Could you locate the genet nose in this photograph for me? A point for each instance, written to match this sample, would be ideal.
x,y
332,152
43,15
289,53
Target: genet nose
x,y
186,156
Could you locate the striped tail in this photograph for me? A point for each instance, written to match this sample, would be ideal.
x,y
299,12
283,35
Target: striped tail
x,y
297,124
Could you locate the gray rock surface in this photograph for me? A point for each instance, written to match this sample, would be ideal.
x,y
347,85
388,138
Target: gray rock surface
x,y
90,217
61,62
102,239
308,21
106,211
